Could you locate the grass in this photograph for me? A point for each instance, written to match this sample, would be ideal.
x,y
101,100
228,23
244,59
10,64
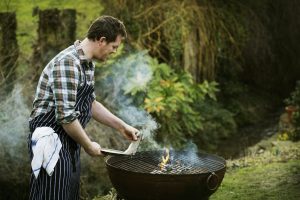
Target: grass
x,y
274,181
271,170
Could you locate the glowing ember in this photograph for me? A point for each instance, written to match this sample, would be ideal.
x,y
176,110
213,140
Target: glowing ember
x,y
165,159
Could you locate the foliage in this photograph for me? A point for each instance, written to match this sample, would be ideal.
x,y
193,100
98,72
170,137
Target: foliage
x,y
176,32
229,43
248,105
111,196
212,39
293,109
218,124
177,103
294,98
172,97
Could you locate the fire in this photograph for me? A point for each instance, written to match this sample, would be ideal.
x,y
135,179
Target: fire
x,y
165,159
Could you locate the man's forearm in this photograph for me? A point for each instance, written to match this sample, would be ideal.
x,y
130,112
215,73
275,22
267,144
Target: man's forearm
x,y
104,116
76,132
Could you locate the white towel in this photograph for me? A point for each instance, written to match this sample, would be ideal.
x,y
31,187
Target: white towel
x,y
45,147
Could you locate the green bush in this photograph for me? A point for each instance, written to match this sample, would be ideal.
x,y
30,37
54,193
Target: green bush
x,y
172,98
186,110
218,124
293,101
178,104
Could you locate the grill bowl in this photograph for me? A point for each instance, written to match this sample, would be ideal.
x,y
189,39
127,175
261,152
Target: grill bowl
x,y
189,176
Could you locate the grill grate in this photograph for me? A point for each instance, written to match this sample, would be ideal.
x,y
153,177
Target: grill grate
x,y
179,163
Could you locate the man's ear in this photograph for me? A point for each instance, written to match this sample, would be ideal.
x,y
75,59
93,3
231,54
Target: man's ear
x,y
102,39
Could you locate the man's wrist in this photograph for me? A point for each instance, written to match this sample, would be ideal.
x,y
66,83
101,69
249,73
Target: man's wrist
x,y
121,126
87,145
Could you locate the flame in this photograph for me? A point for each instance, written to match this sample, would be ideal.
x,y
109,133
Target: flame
x,y
165,159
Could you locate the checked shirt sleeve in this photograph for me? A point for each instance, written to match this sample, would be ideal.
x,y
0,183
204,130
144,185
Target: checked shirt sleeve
x,y
65,82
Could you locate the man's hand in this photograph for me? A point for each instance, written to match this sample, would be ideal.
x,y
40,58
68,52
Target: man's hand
x,y
129,132
93,149
76,132
104,116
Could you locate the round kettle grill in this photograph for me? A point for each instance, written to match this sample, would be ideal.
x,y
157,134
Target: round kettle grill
x,y
186,175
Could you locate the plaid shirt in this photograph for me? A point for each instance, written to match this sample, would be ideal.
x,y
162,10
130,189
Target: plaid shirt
x,y
59,81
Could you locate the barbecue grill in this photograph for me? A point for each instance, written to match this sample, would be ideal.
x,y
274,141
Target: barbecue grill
x,y
186,175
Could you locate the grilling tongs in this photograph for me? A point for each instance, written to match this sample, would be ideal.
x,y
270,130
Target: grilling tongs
x,y
131,150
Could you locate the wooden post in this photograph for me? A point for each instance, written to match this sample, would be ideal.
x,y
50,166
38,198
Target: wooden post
x,y
9,50
68,20
56,31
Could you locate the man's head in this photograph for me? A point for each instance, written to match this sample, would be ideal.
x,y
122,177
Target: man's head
x,y
107,33
107,27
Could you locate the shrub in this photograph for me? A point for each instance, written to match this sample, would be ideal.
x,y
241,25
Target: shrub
x,y
293,105
173,99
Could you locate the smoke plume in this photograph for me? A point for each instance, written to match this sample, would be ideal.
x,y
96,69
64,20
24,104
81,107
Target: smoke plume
x,y
13,133
129,76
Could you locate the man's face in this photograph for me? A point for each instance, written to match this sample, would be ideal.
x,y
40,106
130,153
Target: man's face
x,y
105,49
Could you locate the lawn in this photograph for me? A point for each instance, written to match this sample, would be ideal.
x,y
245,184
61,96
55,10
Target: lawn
x,y
280,180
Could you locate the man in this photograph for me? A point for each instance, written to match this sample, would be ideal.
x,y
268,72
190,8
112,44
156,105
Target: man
x,y
65,101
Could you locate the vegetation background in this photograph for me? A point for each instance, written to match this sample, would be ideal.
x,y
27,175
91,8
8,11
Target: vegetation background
x,y
212,74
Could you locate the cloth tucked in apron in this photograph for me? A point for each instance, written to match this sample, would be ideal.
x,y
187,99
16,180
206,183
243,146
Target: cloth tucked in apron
x,y
65,180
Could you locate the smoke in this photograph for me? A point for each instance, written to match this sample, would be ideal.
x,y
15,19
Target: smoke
x,y
127,76
13,132
191,152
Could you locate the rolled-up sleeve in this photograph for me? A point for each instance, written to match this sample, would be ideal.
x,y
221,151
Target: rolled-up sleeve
x,y
66,77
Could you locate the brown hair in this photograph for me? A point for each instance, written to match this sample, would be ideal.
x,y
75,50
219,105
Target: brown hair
x,y
108,27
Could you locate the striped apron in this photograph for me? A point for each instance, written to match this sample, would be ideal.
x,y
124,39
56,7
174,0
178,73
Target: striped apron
x,y
65,180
